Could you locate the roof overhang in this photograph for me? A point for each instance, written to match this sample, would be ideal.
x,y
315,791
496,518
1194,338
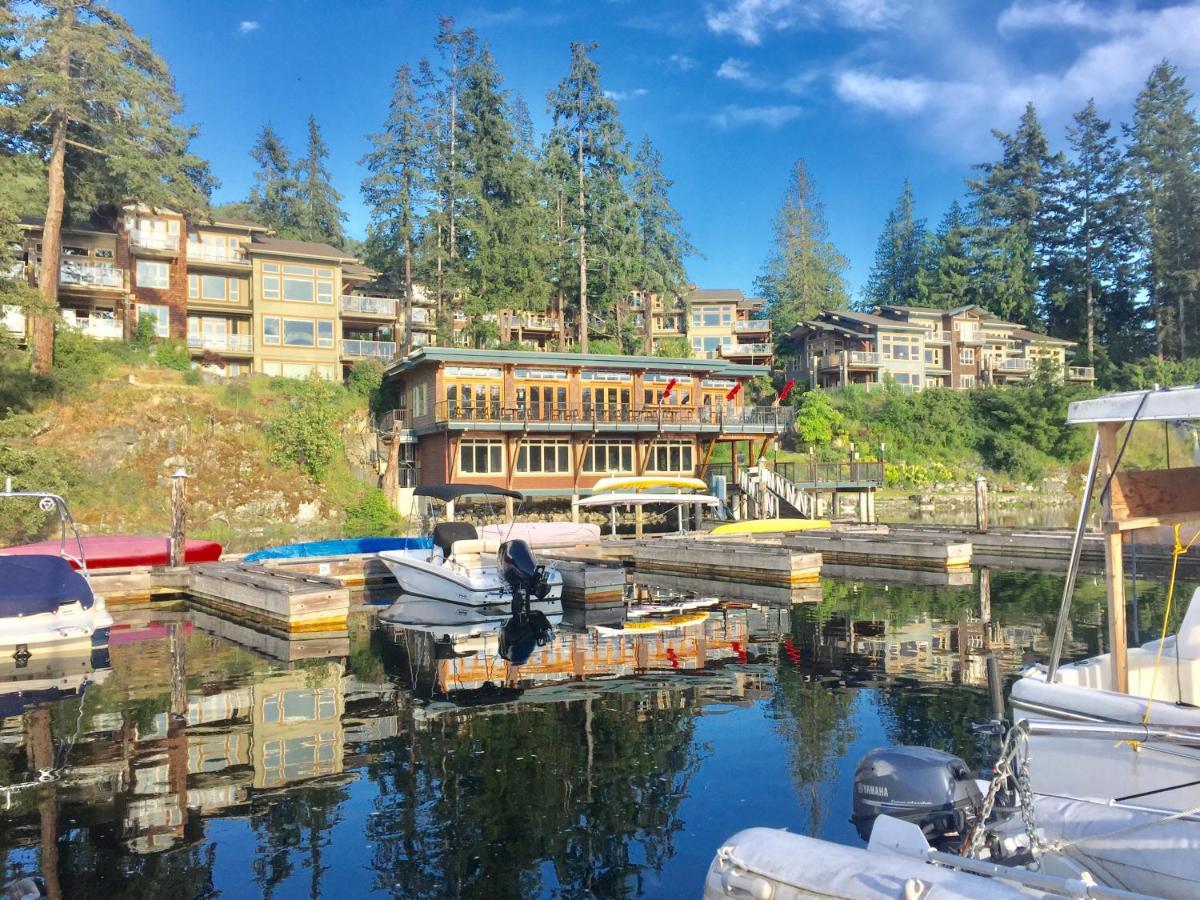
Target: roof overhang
x,y
1162,405
716,367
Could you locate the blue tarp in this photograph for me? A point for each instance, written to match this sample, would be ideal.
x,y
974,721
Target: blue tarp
x,y
39,584
338,548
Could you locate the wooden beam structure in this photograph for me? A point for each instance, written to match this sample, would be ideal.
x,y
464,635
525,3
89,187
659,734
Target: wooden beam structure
x,y
1114,562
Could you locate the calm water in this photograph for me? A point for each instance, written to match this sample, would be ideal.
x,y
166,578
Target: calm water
x,y
611,765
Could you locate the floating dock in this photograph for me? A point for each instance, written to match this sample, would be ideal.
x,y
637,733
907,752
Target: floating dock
x,y
939,555
739,561
290,604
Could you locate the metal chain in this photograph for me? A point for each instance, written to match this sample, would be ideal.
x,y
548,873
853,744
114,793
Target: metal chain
x,y
1013,764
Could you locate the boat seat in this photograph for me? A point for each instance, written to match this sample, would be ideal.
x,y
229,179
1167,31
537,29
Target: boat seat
x,y
468,552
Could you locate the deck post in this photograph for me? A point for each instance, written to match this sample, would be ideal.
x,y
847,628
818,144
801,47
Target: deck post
x,y
981,504
1114,563
575,508
178,516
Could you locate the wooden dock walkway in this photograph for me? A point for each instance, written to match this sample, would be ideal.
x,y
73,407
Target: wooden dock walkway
x,y
740,561
293,604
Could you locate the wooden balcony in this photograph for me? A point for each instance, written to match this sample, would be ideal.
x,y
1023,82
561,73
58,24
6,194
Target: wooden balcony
x,y
854,359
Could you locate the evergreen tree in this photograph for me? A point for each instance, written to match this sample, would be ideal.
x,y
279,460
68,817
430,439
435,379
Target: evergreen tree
x,y
1010,232
274,196
395,188
950,280
804,273
1164,153
662,242
1094,239
900,257
585,122
86,93
319,208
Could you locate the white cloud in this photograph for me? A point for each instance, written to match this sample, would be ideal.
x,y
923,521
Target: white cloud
x,y
735,70
1027,15
248,25
626,95
683,62
752,20
734,116
899,96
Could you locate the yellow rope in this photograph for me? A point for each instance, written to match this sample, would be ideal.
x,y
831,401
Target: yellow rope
x,y
1179,551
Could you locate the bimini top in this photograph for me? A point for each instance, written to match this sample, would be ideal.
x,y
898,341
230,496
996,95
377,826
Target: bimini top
x,y
448,492
1162,405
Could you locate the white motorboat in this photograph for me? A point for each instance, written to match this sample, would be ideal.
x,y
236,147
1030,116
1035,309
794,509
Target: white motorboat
x,y
47,600
465,580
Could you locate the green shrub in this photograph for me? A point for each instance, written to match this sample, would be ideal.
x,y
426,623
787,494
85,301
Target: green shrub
x,y
173,355
370,515
146,331
366,378
193,377
42,470
816,419
79,361
304,432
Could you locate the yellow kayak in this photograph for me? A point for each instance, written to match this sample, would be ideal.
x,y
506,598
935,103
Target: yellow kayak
x,y
770,526
647,482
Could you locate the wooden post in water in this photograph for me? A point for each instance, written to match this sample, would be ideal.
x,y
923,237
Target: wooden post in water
x,y
981,504
985,606
1114,561
178,516
40,743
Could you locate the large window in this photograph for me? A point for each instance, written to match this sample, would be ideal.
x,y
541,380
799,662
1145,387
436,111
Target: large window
x,y
966,381
325,333
297,284
214,287
671,456
541,401
270,333
466,400
298,333
605,457
712,317
153,274
966,356
160,315
481,458
538,456
897,347
933,357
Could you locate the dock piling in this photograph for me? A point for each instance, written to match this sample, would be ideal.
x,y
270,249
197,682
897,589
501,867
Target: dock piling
x,y
981,504
178,515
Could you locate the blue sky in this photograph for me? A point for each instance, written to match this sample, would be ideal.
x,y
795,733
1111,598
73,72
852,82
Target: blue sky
x,y
732,92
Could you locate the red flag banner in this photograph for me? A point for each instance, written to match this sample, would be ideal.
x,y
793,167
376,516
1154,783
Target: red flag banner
x,y
667,389
787,389
733,391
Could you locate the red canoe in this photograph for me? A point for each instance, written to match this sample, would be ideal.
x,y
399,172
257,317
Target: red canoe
x,y
121,551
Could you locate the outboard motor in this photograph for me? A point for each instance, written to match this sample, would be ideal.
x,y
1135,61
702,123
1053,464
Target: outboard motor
x,y
932,789
528,628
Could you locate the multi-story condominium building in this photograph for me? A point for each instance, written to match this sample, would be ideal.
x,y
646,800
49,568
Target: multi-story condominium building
x,y
727,324
552,424
919,347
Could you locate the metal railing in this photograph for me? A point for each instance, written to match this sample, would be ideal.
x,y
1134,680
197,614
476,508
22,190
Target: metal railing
x,y
371,306
368,349
423,317
101,329
762,349
1013,365
392,419
534,320
764,418
214,253
1081,373
807,473
852,357
752,325
937,337
85,273
237,343
153,240
968,336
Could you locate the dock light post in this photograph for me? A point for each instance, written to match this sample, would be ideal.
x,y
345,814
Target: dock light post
x,y
178,515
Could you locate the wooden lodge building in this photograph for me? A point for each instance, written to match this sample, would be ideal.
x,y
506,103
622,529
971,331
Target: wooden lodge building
x,y
553,424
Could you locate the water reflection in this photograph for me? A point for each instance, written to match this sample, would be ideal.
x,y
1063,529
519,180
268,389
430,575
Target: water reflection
x,y
611,764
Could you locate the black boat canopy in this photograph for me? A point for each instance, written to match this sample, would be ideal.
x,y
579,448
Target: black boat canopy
x,y
449,492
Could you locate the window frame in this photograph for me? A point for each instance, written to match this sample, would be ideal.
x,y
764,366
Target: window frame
x,y
153,284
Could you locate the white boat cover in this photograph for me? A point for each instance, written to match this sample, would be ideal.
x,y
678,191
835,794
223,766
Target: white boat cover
x,y
543,534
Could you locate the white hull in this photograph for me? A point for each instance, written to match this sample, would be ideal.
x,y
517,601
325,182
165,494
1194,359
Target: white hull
x,y
69,623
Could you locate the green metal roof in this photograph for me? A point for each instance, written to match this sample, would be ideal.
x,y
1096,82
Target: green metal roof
x,y
590,361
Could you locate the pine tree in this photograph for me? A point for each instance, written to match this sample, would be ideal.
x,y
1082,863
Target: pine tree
x,y
950,281
1164,153
395,189
585,121
1007,203
274,196
897,276
1094,252
319,208
662,241
804,273
85,92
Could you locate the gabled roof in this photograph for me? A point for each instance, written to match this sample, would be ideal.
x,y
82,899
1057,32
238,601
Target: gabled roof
x,y
230,222
280,247
871,320
702,294
718,367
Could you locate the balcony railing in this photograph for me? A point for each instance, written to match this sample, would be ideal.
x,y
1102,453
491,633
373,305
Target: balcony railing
x,y
752,325
851,357
968,336
101,329
937,337
747,349
84,273
16,270
153,240
353,347
235,343
214,253
392,419
423,317
1081,373
533,320
751,418
806,473
372,306
1013,365
12,318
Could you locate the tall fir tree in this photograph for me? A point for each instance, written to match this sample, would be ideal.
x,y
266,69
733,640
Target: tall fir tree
x,y
320,212
395,189
898,275
950,279
274,198
662,242
1010,228
1164,152
585,122
804,272
85,92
